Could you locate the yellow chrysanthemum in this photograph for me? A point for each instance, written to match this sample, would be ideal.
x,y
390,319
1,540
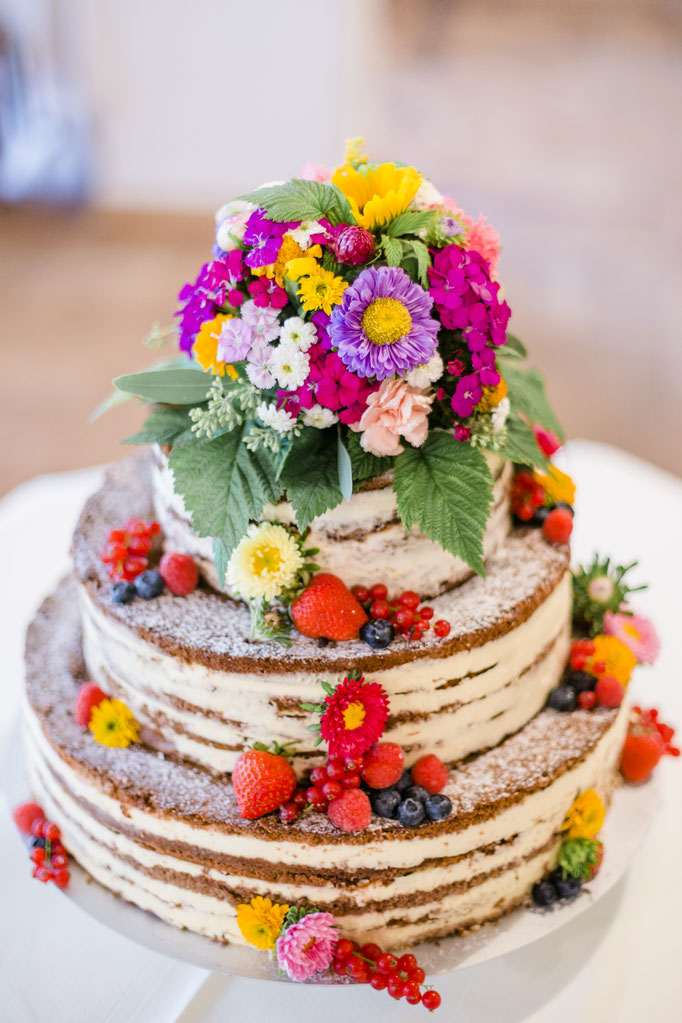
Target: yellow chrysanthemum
x,y
321,290
377,196
492,396
617,658
112,724
260,921
585,817
206,347
303,266
556,484
264,563
289,251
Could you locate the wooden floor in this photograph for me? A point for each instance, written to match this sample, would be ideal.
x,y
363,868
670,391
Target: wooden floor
x,y
80,290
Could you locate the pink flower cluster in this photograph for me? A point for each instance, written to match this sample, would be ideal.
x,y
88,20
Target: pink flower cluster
x,y
215,285
330,385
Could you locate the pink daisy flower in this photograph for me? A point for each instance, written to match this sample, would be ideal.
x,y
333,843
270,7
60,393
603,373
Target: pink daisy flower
x,y
636,632
307,947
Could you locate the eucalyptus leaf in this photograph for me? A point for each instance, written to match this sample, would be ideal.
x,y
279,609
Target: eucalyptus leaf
x,y
181,386
345,469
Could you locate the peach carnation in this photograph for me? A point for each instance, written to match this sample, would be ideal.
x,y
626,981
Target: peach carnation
x,y
395,410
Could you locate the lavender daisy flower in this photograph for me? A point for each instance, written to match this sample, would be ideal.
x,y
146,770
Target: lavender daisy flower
x,y
383,326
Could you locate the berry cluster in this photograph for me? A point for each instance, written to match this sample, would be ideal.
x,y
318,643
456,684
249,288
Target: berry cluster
x,y
177,571
585,688
648,740
125,552
402,616
558,886
416,795
528,505
369,964
47,852
327,784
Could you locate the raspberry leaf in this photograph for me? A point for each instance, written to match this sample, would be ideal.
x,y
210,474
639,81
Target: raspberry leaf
x,y
521,446
445,488
164,426
310,475
409,222
526,389
365,465
302,200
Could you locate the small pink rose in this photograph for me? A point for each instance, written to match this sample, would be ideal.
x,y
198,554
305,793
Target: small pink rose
x,y
395,410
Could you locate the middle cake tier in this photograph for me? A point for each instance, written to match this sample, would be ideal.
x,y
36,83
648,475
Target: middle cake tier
x,y
204,691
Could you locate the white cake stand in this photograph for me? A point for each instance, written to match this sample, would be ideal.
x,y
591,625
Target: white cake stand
x,y
631,815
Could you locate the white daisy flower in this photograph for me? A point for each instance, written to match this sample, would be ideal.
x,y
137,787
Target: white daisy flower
x,y
427,373
299,333
319,417
290,366
264,562
302,233
277,419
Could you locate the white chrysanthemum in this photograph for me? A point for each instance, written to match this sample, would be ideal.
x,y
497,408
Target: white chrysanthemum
x,y
427,197
290,366
278,419
320,417
298,333
302,233
264,563
427,373
499,414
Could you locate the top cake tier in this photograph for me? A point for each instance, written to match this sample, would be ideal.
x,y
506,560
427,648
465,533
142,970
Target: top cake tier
x,y
361,539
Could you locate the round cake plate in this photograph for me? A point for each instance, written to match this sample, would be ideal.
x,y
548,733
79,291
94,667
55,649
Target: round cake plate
x,y
631,815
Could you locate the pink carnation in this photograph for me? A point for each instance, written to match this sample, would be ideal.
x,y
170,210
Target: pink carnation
x,y
395,410
315,172
307,947
483,237
636,632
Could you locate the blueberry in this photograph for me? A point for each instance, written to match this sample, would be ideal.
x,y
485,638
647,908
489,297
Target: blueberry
x,y
411,812
544,893
122,593
438,807
416,792
149,584
562,698
539,516
564,504
581,681
566,887
404,781
385,802
377,633
37,843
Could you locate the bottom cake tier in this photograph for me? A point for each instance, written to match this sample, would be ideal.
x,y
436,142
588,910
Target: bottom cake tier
x,y
168,837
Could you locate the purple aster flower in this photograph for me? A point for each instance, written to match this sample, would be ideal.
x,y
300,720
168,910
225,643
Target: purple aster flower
x,y
235,340
307,947
383,326
264,239
467,395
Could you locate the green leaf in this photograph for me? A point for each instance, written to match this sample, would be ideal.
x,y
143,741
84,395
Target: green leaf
x,y
526,388
220,559
163,426
181,386
345,469
512,348
423,258
393,250
521,446
445,488
311,477
119,397
224,485
408,223
365,466
303,200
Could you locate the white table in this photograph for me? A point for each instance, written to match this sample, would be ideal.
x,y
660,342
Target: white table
x,y
617,961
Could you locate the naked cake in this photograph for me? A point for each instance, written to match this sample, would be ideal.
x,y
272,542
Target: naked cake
x,y
322,680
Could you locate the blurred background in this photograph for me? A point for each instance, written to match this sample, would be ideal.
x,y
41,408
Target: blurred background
x,y
124,125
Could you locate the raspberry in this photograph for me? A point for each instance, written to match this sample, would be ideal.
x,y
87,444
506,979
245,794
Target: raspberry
x,y
378,591
558,525
609,692
587,699
351,811
88,698
442,628
431,1000
179,572
25,815
432,774
383,765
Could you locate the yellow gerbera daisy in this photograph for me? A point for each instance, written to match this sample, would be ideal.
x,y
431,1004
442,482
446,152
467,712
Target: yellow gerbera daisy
x,y
556,484
492,396
585,817
205,348
265,562
377,196
321,290
617,658
260,921
112,724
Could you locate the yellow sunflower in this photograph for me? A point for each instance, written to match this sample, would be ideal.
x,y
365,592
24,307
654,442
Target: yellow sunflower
x,y
206,347
585,817
112,724
377,196
260,921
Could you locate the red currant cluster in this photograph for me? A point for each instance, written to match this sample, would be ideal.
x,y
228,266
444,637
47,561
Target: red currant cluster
x,y
326,783
369,964
47,852
126,549
527,496
404,613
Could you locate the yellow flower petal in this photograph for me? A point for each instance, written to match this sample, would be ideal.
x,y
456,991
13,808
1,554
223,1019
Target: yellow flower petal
x,y
377,196
260,921
585,817
112,724
205,348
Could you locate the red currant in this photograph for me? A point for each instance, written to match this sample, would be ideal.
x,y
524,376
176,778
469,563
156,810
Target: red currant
x,y
407,963
113,552
371,951
117,536
315,797
587,699
395,985
361,593
331,790
335,768
37,827
339,967
378,591
351,780
430,1000
386,963
343,949
299,797
411,992
378,981
426,613
405,616
43,874
58,861
425,626
417,975
288,812
379,609
52,832
442,628
319,776
61,878
416,633
139,545
356,968
355,763
409,599
38,855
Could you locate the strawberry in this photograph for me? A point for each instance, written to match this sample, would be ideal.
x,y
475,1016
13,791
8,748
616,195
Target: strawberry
x,y
599,850
24,816
262,782
641,752
327,609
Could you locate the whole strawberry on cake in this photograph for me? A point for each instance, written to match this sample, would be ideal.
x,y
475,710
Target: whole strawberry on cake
x,y
322,681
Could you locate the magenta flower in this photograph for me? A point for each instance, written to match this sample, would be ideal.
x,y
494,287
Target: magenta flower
x,y
264,239
266,292
636,632
307,947
216,284
383,326
321,321
484,362
462,432
466,297
467,395
338,389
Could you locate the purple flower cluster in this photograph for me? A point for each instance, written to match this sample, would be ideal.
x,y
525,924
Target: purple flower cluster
x,y
264,239
468,300
331,385
215,286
